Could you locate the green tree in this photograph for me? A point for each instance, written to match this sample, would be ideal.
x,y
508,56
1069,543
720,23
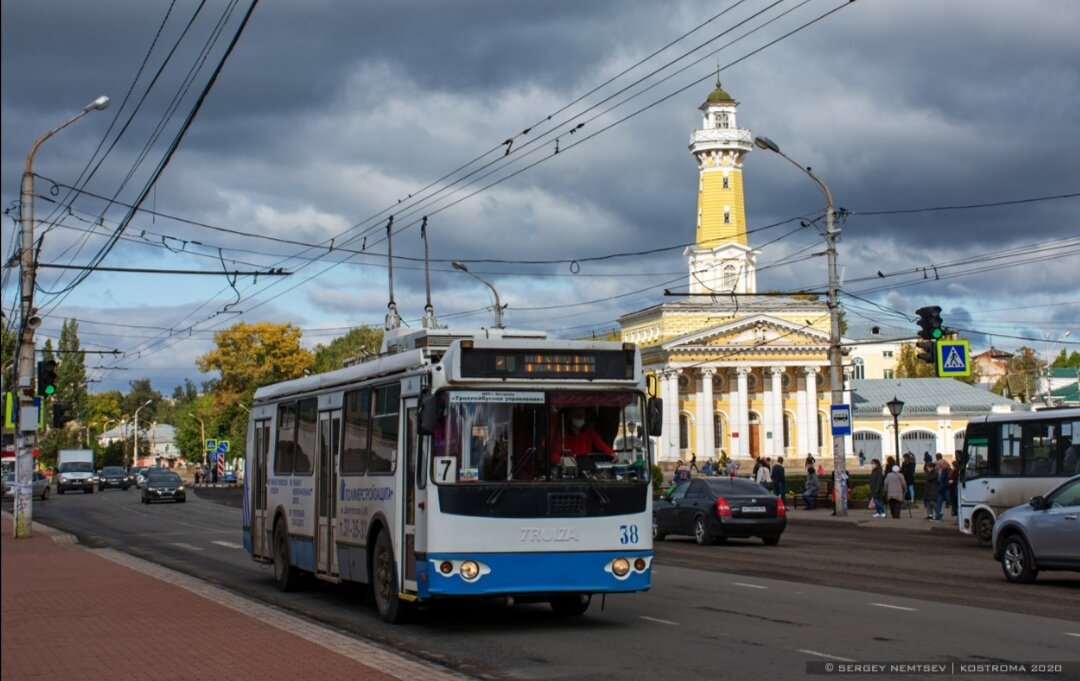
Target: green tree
x,y
359,342
71,372
9,343
908,365
189,432
1021,373
141,392
1062,361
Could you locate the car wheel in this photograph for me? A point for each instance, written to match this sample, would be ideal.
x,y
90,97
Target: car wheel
x,y
657,535
701,531
45,494
285,574
1017,562
384,584
59,489
570,604
145,500
771,541
983,526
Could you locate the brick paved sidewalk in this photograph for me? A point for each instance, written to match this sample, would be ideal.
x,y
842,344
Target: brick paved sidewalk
x,y
67,612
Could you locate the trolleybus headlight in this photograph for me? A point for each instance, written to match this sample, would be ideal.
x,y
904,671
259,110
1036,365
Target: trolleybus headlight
x,y
446,567
469,569
639,564
620,566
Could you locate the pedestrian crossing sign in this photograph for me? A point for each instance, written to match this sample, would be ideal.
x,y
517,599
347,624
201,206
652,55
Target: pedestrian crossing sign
x,y
953,358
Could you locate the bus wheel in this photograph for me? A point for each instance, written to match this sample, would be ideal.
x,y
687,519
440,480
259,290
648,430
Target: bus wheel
x,y
1016,561
570,604
984,528
285,574
384,584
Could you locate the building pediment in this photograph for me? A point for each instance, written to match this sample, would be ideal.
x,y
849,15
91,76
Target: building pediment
x,y
758,333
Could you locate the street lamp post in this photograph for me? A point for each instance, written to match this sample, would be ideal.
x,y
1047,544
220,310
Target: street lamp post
x,y
896,406
24,366
498,308
832,234
202,437
135,453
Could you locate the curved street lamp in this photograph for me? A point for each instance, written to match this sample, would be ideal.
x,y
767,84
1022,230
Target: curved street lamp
x,y
498,308
24,367
835,360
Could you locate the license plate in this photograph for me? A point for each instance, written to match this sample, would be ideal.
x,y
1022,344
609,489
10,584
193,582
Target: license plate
x,y
753,509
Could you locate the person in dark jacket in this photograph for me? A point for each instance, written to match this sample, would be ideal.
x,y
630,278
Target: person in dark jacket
x,y
908,471
779,479
877,483
954,484
943,488
930,488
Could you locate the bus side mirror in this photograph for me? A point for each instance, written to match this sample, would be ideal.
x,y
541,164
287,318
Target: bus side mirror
x,y
655,410
428,417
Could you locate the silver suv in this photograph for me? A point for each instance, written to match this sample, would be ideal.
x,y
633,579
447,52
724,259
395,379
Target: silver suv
x,y
1043,534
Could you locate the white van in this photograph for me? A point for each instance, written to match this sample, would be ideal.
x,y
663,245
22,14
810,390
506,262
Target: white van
x,y
75,470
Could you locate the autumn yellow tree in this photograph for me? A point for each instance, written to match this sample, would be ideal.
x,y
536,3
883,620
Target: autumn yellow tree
x,y
247,357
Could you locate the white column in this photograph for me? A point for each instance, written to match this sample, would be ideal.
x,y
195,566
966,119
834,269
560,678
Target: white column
x,y
802,444
743,407
670,390
811,413
708,416
698,446
734,424
776,399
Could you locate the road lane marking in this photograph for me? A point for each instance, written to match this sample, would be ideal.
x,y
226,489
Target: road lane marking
x,y
1070,633
825,655
189,547
895,607
658,620
750,586
228,544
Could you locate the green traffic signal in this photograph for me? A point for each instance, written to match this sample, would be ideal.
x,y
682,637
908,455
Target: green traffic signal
x,y
930,332
46,378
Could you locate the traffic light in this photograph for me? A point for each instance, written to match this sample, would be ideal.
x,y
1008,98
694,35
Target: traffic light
x,y
46,377
930,332
61,414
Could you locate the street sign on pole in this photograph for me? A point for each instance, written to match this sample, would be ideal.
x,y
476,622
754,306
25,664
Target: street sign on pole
x,y
841,419
953,358
211,445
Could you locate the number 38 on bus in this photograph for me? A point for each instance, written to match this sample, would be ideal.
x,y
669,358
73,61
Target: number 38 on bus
x,y
462,466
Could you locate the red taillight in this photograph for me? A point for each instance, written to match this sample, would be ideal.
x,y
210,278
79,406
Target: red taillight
x,y
781,510
723,508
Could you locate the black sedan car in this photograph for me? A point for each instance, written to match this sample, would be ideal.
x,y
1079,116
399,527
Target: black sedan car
x,y
163,486
712,509
114,476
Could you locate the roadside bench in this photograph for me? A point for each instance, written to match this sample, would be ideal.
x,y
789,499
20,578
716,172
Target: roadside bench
x,y
823,499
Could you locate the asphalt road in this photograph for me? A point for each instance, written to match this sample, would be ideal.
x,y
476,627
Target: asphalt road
x,y
740,610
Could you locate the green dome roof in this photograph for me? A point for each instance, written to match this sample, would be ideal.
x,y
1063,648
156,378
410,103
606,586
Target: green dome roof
x,y
719,95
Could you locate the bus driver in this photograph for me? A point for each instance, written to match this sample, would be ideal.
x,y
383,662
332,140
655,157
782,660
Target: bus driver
x,y
580,438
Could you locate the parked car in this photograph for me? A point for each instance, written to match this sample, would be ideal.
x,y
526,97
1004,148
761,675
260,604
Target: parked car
x,y
114,476
163,485
40,486
1043,534
229,478
712,509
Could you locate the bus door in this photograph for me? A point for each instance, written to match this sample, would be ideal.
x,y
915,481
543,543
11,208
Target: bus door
x,y
325,486
256,478
408,511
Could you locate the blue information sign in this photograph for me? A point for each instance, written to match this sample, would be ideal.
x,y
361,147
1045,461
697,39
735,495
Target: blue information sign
x,y
841,419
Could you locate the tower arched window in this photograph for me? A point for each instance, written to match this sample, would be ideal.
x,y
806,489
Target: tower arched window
x,y
724,120
727,283
718,431
858,369
727,216
727,182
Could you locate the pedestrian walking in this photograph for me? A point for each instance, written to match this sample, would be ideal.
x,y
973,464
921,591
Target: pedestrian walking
x,y
930,488
894,490
763,476
731,469
908,470
954,484
693,461
862,459
877,485
943,488
779,478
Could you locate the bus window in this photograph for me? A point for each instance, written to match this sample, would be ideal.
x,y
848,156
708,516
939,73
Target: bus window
x,y
384,429
304,455
1070,442
354,443
1040,452
1010,449
286,434
977,447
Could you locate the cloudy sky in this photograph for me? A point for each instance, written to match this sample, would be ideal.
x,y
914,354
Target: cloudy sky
x,y
947,130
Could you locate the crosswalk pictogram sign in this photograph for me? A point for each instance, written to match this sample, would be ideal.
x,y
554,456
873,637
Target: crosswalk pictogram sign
x,y
953,358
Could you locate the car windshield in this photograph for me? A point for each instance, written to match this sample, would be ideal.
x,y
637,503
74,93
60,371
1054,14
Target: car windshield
x,y
77,467
163,479
500,436
112,470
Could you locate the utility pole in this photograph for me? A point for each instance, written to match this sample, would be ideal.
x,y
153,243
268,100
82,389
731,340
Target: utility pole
x,y
836,374
26,416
